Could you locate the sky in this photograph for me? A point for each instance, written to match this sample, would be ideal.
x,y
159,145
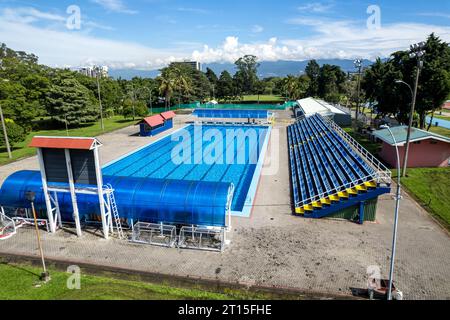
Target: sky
x,y
148,34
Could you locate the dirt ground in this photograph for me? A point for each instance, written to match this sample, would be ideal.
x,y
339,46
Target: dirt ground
x,y
272,247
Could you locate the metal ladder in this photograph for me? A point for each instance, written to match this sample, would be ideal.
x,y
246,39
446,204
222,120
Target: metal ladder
x,y
115,211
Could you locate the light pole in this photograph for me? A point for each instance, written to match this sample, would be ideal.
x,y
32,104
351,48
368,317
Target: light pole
x,y
5,132
97,75
358,65
397,206
44,275
417,51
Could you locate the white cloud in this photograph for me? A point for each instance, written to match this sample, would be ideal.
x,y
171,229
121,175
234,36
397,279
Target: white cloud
x,y
28,15
257,29
72,49
332,39
57,46
316,7
114,6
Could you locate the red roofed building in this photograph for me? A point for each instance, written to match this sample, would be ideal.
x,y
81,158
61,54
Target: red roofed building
x,y
64,143
168,115
151,126
446,105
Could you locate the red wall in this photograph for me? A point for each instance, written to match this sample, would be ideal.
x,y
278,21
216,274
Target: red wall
x,y
424,154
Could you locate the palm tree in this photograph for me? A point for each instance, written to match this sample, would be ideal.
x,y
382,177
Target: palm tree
x,y
166,87
182,81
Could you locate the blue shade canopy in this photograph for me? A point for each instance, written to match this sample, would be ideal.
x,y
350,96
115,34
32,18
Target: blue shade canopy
x,y
152,200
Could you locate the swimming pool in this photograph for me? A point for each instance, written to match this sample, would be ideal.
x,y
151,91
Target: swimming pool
x,y
213,153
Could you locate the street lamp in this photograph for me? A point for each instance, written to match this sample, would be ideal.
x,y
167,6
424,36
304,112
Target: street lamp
x,y
97,74
5,133
358,65
397,206
417,51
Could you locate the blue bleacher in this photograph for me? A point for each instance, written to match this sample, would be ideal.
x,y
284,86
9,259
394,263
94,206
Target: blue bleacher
x,y
327,174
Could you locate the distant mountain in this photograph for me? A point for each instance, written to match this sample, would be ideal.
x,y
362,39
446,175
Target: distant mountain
x,y
267,68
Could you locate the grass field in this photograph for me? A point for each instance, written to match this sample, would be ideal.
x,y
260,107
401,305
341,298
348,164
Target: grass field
x,y
372,147
21,282
264,98
430,187
442,131
21,150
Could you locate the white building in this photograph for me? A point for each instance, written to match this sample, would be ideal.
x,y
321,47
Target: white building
x,y
94,71
309,106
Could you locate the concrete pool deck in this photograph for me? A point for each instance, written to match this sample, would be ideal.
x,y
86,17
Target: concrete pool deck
x,y
272,248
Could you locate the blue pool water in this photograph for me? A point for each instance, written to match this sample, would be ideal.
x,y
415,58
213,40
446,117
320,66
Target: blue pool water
x,y
222,153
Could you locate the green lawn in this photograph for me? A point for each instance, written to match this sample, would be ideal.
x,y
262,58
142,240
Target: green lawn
x,y
264,98
430,187
372,147
21,150
442,117
441,131
21,282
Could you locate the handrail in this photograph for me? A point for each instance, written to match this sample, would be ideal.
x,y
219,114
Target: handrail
x,y
380,168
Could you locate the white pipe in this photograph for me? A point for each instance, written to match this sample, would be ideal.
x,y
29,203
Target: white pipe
x,y
73,195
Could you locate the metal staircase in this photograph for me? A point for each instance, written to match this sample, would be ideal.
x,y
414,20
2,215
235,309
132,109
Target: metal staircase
x,y
111,201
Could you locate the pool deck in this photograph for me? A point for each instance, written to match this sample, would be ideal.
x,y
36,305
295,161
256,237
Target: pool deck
x,y
272,248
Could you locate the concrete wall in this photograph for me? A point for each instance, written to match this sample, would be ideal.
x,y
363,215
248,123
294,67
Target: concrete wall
x,y
427,153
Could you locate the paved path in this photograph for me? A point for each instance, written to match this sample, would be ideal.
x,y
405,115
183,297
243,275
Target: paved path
x,y
272,247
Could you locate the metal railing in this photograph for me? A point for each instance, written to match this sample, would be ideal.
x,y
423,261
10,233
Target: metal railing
x,y
154,234
383,174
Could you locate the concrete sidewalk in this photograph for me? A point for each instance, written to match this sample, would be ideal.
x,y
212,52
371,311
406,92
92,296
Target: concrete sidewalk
x,y
272,247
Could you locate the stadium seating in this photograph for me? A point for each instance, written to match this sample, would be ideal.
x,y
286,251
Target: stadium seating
x,y
327,173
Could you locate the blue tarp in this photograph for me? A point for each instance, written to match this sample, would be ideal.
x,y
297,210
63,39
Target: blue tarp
x,y
151,200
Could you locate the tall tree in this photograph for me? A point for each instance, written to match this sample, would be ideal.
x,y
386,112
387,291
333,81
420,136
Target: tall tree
x,y
247,73
225,86
213,80
331,81
312,70
69,102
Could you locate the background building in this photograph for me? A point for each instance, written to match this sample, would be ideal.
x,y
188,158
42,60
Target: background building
x,y
93,71
309,106
426,149
193,64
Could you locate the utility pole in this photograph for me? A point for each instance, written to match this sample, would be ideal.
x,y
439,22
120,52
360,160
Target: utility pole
x,y
417,51
5,133
358,65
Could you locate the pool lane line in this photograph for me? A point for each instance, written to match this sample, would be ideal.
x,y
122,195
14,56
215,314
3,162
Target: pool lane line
x,y
195,165
141,148
176,167
144,158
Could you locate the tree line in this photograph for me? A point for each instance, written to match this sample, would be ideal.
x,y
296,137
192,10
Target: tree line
x,y
35,96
